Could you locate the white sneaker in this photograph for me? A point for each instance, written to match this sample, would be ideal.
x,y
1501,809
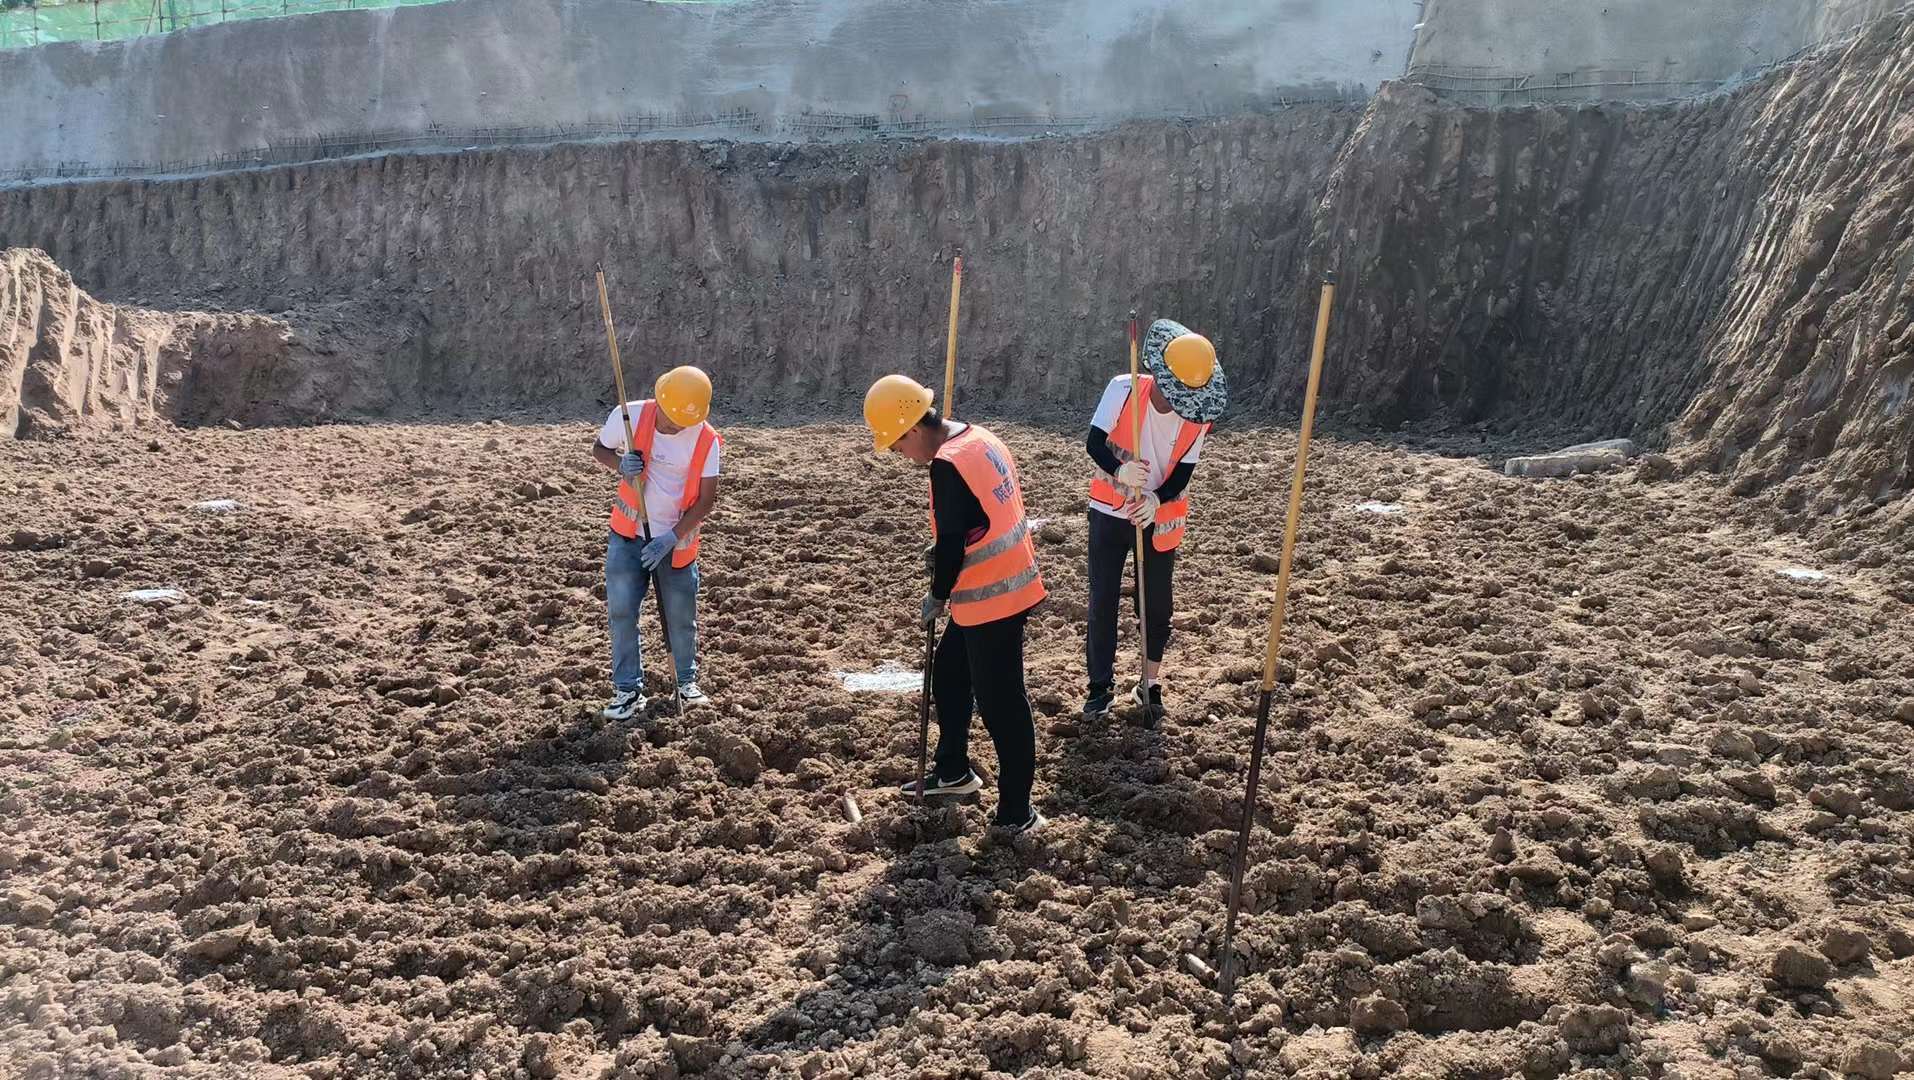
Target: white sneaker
x,y
963,785
1037,821
624,705
1149,702
691,697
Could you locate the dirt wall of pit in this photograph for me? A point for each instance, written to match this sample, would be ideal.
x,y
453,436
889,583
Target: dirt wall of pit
x,y
795,275
71,363
1728,274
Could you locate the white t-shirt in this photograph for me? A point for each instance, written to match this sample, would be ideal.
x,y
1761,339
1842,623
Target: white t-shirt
x,y
1160,430
665,467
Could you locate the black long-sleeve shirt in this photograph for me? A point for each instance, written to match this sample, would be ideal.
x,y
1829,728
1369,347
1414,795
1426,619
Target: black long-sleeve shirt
x,y
958,515
1099,446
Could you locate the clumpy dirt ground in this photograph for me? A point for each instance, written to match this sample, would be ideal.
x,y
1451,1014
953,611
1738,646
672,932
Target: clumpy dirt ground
x,y
1567,778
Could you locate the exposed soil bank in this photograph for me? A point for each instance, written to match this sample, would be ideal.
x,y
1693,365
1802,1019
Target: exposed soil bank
x,y
70,363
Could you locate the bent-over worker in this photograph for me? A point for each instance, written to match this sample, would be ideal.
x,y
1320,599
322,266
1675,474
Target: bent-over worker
x,y
984,569
1147,486
674,454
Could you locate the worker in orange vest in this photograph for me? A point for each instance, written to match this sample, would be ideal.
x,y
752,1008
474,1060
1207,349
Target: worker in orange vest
x,y
675,451
984,569
1145,486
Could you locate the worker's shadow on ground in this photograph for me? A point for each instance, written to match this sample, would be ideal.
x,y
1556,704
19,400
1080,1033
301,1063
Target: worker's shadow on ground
x,y
1120,768
539,793
925,916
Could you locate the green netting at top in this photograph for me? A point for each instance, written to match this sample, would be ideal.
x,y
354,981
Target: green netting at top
x,y
27,24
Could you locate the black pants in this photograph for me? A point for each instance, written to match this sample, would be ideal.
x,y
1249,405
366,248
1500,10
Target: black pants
x,y
983,665
1112,541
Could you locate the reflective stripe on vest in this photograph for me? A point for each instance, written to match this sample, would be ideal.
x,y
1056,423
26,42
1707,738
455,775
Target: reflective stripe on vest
x,y
624,507
999,576
1171,515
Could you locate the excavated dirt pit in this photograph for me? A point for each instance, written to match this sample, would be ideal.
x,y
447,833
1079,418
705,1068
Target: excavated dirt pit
x,y
1567,777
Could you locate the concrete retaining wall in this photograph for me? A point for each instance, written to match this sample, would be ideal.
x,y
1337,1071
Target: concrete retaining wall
x,y
216,91
1574,50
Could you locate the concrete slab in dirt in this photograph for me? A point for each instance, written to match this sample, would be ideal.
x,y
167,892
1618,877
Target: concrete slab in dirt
x,y
1563,464
1626,446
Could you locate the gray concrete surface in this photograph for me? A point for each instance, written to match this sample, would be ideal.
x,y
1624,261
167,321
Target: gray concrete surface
x,y
1564,463
1576,49
1840,16
215,91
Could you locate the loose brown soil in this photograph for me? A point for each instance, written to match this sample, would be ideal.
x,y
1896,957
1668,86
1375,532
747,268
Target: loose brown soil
x,y
1566,777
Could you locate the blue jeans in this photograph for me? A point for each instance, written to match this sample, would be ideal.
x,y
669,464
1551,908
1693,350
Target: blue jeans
x,y
626,581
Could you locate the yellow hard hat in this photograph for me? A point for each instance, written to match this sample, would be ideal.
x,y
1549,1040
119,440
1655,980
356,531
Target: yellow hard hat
x,y
892,406
684,393
1191,358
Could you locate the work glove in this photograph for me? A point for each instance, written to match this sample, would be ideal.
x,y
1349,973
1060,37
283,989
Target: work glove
x,y
659,549
631,464
1142,510
933,607
1133,474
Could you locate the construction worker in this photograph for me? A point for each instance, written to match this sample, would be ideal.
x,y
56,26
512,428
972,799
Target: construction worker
x,y
1147,487
984,569
673,455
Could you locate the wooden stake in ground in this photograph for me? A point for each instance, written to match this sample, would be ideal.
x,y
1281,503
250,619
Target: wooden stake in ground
x,y
1140,402
644,517
1226,968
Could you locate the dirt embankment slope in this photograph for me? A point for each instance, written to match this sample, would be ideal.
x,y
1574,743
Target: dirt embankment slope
x,y
66,358
70,362
1732,274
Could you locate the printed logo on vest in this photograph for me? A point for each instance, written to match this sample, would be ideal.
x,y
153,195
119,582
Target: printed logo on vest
x,y
1003,489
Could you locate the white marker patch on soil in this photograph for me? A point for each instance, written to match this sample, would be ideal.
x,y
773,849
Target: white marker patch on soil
x,y
890,677
154,596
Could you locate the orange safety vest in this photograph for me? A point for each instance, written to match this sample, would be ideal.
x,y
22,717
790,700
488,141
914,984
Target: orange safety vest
x,y
624,509
999,577
1170,516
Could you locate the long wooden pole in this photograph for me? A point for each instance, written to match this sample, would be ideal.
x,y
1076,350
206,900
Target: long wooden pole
x,y
1138,402
1226,968
950,343
644,517
930,632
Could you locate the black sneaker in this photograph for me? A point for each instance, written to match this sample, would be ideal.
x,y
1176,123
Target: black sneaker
x,y
1098,702
937,786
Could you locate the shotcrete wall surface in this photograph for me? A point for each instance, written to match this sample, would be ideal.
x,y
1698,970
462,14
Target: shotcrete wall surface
x,y
1697,41
212,92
